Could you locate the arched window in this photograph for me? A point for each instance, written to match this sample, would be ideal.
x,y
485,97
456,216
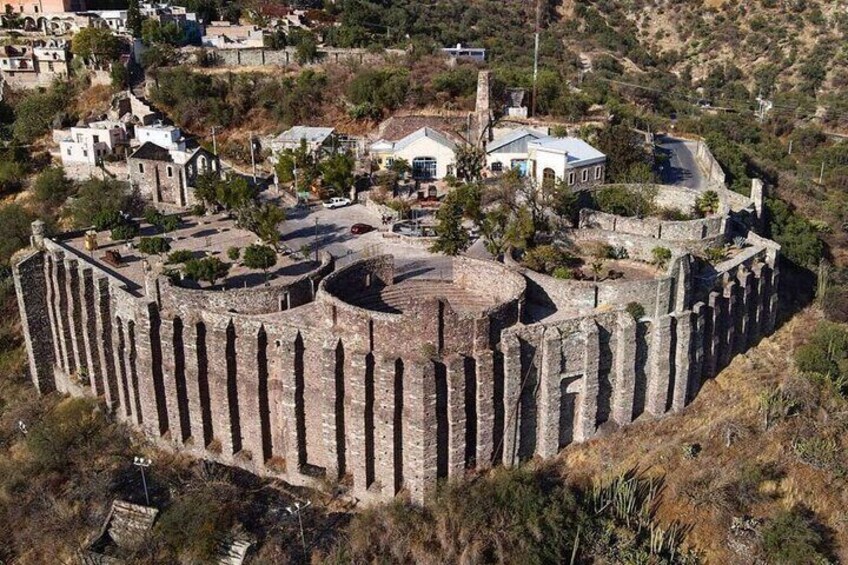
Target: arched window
x,y
548,177
585,175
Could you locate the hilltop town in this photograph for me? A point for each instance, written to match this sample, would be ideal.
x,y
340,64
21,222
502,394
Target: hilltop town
x,y
327,282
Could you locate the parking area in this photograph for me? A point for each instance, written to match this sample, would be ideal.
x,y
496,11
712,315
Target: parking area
x,y
331,228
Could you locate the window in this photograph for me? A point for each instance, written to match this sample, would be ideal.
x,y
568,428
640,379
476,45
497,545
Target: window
x,y
50,67
497,167
570,179
69,151
203,164
170,171
141,167
79,138
598,172
85,152
548,178
96,138
424,168
585,175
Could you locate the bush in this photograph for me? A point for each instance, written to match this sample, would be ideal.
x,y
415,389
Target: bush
x,y
153,245
15,230
12,175
563,273
790,538
546,258
233,253
797,236
208,269
98,200
624,201
51,186
661,256
826,353
192,526
124,232
636,310
259,257
707,203
179,256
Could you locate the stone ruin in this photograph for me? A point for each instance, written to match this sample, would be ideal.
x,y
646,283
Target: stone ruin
x,y
391,381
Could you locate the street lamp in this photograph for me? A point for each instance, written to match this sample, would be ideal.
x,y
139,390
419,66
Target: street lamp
x,y
316,239
141,463
298,508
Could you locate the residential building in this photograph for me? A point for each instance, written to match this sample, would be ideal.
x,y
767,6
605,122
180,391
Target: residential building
x,y
465,52
510,151
45,6
32,66
316,138
568,159
92,143
430,153
225,34
163,135
168,175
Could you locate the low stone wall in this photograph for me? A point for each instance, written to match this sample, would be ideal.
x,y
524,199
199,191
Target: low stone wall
x,y
710,165
709,229
259,56
257,300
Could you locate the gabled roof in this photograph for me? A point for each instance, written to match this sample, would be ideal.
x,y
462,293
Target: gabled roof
x,y
308,133
577,150
149,151
435,135
511,137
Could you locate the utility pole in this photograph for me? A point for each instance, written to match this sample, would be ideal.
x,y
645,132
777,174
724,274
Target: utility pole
x,y
821,174
790,146
214,143
316,239
536,53
141,463
297,510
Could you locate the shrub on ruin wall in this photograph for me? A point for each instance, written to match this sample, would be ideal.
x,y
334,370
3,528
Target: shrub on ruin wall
x,y
627,201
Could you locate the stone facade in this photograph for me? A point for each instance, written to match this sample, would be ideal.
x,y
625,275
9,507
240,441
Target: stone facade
x,y
390,382
167,177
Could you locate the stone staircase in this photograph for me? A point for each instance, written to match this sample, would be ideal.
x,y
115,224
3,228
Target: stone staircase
x,y
397,298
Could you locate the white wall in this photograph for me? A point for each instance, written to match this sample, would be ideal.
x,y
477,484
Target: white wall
x,y
428,147
163,137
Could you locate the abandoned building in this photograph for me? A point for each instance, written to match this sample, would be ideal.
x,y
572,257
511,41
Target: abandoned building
x,y
397,378
166,169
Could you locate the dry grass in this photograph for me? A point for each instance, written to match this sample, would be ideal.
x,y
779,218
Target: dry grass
x,y
703,491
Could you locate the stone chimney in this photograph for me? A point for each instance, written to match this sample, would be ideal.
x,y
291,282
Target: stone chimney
x,y
37,238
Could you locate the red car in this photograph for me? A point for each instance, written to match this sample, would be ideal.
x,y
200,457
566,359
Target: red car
x,y
358,229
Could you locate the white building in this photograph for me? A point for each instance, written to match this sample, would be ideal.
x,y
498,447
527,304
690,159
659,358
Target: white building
x,y
430,153
464,52
568,159
225,34
316,138
511,150
91,144
168,137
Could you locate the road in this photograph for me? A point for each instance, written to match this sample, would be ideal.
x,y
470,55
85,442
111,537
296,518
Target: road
x,y
682,168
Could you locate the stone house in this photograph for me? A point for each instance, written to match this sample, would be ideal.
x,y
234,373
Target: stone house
x,y
92,143
318,139
166,176
38,65
569,159
431,154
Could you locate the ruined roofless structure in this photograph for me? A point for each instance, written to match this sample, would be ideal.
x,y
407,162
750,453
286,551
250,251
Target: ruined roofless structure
x,y
388,379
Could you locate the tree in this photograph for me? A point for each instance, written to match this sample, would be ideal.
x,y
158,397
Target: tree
x,y
790,538
155,33
234,192
153,245
134,19
307,49
208,269
51,187
260,257
337,172
98,45
263,220
120,76
451,236
626,155
12,174
124,231
96,199
469,163
707,203
35,114
400,166
15,230
298,165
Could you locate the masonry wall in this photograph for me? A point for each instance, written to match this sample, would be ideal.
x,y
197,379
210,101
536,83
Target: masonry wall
x,y
393,403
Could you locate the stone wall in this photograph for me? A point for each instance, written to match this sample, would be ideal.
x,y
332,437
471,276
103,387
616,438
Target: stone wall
x,y
259,56
391,403
710,230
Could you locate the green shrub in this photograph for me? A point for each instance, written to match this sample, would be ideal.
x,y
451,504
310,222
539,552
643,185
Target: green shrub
x,y
153,245
192,526
707,203
636,310
626,201
789,538
208,269
179,256
563,273
233,253
124,231
661,256
715,254
545,258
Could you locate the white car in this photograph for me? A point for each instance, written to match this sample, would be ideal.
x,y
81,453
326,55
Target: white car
x,y
336,203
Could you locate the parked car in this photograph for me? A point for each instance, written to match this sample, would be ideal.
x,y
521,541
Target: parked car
x,y
358,229
337,202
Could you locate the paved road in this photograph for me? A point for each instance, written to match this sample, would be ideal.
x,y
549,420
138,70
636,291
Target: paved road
x,y
682,168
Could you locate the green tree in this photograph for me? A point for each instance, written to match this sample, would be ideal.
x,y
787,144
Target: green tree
x,y
208,269
98,198
51,187
155,33
119,76
451,236
707,203
153,245
34,115
298,164
264,220
789,539
234,192
15,230
124,231
134,19
97,45
627,158
12,174
307,50
469,163
400,166
260,257
337,172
